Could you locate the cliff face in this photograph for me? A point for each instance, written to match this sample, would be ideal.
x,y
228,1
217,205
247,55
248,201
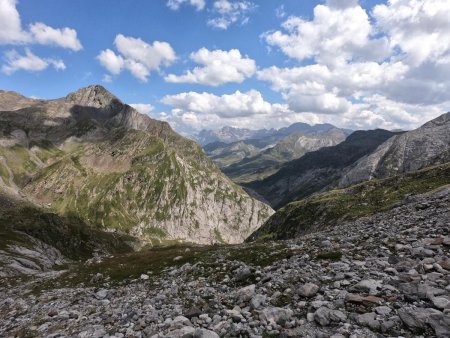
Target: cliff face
x,y
92,156
414,150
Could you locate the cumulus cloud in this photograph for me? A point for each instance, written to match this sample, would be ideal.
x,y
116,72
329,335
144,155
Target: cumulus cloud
x,y
421,29
228,12
194,110
217,67
29,62
386,67
46,35
12,33
136,56
10,25
318,88
176,4
111,61
364,69
233,105
143,108
335,35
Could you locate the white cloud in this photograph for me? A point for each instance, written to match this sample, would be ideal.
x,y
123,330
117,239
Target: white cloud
x,y
64,37
379,111
421,29
137,56
111,61
194,111
280,12
334,36
390,70
218,67
233,105
320,89
12,33
176,4
10,25
28,62
143,108
228,12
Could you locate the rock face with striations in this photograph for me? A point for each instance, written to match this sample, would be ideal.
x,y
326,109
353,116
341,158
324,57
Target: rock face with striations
x,y
92,156
414,150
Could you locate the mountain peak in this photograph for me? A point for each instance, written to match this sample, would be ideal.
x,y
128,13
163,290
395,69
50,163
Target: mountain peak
x,y
92,96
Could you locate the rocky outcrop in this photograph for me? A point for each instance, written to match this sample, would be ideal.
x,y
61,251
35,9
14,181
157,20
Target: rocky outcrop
x,y
92,156
414,150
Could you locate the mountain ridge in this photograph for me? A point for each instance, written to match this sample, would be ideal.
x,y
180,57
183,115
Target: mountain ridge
x,y
410,151
91,155
317,170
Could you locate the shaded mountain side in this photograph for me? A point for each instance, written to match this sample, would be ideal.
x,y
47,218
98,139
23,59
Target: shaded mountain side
x,y
324,210
293,146
34,239
413,150
317,170
92,156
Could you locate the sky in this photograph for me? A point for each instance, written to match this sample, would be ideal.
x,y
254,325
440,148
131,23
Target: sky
x,y
205,64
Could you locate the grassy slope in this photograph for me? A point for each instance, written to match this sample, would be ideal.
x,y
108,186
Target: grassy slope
x,y
153,177
70,235
329,208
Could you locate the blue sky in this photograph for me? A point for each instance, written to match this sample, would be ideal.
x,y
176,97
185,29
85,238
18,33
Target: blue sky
x,y
263,63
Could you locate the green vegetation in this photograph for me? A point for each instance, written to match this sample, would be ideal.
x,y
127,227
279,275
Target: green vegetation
x,y
76,160
19,161
330,255
74,238
4,174
328,208
219,237
153,231
45,150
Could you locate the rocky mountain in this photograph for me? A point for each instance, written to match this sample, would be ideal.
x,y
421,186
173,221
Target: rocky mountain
x,y
227,135
90,156
416,149
264,136
225,154
317,170
328,209
267,162
385,275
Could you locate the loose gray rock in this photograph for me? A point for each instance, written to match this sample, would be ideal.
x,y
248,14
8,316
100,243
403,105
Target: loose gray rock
x,y
308,290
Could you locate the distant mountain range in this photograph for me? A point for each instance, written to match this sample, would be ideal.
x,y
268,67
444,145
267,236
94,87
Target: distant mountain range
x,y
263,154
374,169
265,136
91,157
317,170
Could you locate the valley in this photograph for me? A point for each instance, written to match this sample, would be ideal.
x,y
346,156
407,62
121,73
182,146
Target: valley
x,y
146,230
225,169
382,274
